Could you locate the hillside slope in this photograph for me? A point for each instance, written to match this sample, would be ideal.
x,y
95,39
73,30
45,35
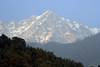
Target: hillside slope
x,y
15,53
86,51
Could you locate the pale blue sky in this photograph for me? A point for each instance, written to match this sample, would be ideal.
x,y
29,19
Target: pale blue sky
x,y
86,12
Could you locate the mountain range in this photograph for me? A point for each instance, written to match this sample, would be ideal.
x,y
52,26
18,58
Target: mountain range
x,y
47,27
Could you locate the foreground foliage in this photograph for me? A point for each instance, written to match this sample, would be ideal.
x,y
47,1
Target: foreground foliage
x,y
15,53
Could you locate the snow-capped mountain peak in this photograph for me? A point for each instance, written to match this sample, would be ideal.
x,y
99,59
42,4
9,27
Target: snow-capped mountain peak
x,y
47,27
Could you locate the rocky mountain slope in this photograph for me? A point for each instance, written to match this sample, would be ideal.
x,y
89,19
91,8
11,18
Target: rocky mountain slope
x,y
47,27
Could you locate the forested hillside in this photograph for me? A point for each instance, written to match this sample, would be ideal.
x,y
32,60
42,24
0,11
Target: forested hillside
x,y
15,53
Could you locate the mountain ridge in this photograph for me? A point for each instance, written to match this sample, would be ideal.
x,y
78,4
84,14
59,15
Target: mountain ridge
x,y
47,27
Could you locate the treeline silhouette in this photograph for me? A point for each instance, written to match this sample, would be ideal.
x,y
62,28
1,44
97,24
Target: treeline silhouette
x,y
15,53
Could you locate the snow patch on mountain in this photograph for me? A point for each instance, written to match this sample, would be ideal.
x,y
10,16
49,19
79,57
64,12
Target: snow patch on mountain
x,y
95,30
67,20
40,23
63,19
44,19
38,17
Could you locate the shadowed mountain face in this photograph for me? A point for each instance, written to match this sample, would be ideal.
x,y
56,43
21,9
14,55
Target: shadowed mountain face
x,y
47,27
86,51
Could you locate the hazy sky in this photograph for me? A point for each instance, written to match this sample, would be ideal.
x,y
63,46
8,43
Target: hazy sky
x,y
86,12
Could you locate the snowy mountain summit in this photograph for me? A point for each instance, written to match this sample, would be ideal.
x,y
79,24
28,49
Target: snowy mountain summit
x,y
47,27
